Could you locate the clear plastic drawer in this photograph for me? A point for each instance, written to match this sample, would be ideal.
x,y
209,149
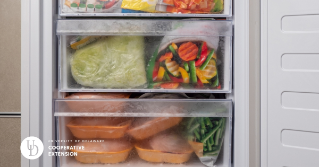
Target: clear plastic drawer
x,y
146,8
145,56
144,132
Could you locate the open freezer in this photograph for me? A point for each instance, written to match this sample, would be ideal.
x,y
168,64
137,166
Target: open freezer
x,y
144,132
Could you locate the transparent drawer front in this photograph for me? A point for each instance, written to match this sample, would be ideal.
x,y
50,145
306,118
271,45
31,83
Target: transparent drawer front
x,y
145,132
145,56
146,8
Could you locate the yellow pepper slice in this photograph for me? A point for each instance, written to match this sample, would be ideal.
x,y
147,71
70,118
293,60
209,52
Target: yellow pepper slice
x,y
185,75
174,46
201,76
160,74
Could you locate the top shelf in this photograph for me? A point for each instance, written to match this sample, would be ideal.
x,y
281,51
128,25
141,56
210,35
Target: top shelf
x,y
142,8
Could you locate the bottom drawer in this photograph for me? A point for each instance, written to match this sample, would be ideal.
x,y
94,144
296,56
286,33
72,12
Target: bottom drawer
x,y
184,133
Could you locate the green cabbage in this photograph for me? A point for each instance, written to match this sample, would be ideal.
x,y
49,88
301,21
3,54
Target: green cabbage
x,y
112,62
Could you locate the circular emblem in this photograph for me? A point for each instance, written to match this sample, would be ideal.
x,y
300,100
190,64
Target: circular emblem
x,y
31,147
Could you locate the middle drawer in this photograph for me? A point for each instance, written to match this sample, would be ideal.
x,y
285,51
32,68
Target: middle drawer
x,y
145,55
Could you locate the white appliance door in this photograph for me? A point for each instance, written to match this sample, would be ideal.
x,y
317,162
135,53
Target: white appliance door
x,y
290,78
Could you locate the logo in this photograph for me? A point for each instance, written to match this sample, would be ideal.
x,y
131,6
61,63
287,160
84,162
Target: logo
x,y
31,147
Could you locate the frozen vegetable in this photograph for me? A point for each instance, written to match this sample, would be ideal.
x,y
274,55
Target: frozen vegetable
x,y
191,65
111,62
99,104
92,6
190,6
109,151
206,135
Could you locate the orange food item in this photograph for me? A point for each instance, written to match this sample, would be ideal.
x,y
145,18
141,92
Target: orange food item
x,y
168,55
165,147
109,151
197,147
170,2
147,127
170,85
77,105
188,51
99,127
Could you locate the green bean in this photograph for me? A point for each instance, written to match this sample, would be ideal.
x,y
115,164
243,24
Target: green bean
x,y
196,125
202,123
205,149
210,55
190,122
202,131
186,66
167,78
212,140
214,148
204,144
217,137
172,50
210,134
216,122
209,146
197,135
208,122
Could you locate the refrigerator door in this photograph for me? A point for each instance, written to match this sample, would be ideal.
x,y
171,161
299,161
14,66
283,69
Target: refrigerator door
x,y
290,77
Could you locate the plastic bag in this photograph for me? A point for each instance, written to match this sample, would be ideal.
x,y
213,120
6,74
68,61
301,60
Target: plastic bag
x,y
184,58
113,62
206,136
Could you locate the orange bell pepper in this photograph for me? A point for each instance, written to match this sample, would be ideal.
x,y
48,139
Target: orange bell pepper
x,y
160,74
168,55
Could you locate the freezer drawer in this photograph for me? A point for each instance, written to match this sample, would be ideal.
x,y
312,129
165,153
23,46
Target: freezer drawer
x,y
145,132
148,8
145,56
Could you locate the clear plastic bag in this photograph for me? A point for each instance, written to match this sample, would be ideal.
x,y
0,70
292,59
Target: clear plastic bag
x,y
111,62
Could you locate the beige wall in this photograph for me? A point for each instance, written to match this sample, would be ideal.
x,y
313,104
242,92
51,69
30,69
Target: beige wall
x,y
10,74
10,55
10,142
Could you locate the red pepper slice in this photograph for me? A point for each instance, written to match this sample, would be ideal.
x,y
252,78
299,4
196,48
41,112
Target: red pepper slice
x,y
155,71
203,55
170,85
110,4
174,79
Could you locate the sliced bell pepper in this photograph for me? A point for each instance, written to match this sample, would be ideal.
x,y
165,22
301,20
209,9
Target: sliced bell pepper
x,y
155,71
170,2
201,76
160,74
174,79
110,4
170,85
151,67
210,55
168,55
184,74
174,46
188,51
203,55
